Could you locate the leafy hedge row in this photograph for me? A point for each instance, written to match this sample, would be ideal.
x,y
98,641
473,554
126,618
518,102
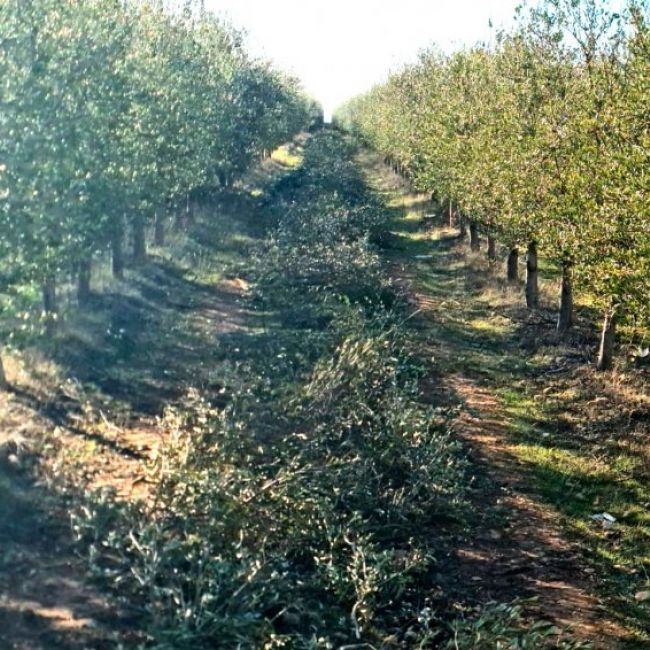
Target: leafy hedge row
x,y
540,139
115,116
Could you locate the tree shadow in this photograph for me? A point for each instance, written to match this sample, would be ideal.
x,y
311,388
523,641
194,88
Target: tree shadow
x,y
46,601
151,338
61,412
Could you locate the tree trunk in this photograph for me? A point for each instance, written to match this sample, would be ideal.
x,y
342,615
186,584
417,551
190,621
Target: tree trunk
x,y
117,249
179,221
532,277
565,316
4,384
462,225
607,340
159,226
50,307
492,248
83,280
513,265
451,214
474,242
139,242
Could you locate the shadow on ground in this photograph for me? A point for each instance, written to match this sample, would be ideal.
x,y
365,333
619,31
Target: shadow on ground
x,y
529,530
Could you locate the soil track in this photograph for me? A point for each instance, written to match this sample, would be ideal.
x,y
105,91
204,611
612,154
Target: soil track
x,y
516,547
91,404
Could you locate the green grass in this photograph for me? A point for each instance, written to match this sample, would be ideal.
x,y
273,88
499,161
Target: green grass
x,y
581,481
575,466
288,156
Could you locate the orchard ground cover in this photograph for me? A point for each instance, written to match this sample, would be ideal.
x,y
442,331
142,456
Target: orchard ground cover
x,y
325,424
554,441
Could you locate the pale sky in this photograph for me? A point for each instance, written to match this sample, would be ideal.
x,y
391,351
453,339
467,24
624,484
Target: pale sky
x,y
342,47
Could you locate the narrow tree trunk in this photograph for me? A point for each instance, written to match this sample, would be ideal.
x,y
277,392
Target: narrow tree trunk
x,y
451,214
139,242
177,215
607,340
117,250
474,242
513,265
532,277
4,384
159,226
565,316
462,225
179,222
83,280
50,307
492,248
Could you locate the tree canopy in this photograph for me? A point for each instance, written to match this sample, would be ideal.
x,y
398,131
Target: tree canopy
x,y
540,137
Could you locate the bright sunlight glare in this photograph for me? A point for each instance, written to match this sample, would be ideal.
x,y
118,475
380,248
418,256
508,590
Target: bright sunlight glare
x,y
338,48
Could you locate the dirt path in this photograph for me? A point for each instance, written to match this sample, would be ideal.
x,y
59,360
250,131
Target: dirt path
x,y
105,440
91,405
516,546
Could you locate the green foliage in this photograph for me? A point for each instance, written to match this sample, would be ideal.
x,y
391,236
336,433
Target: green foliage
x,y
326,219
112,111
502,626
539,137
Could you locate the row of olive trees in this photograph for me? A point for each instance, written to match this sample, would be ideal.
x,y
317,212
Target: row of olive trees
x,y
541,141
112,113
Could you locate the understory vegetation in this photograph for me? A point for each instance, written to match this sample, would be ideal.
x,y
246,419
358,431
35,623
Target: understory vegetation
x,y
306,513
